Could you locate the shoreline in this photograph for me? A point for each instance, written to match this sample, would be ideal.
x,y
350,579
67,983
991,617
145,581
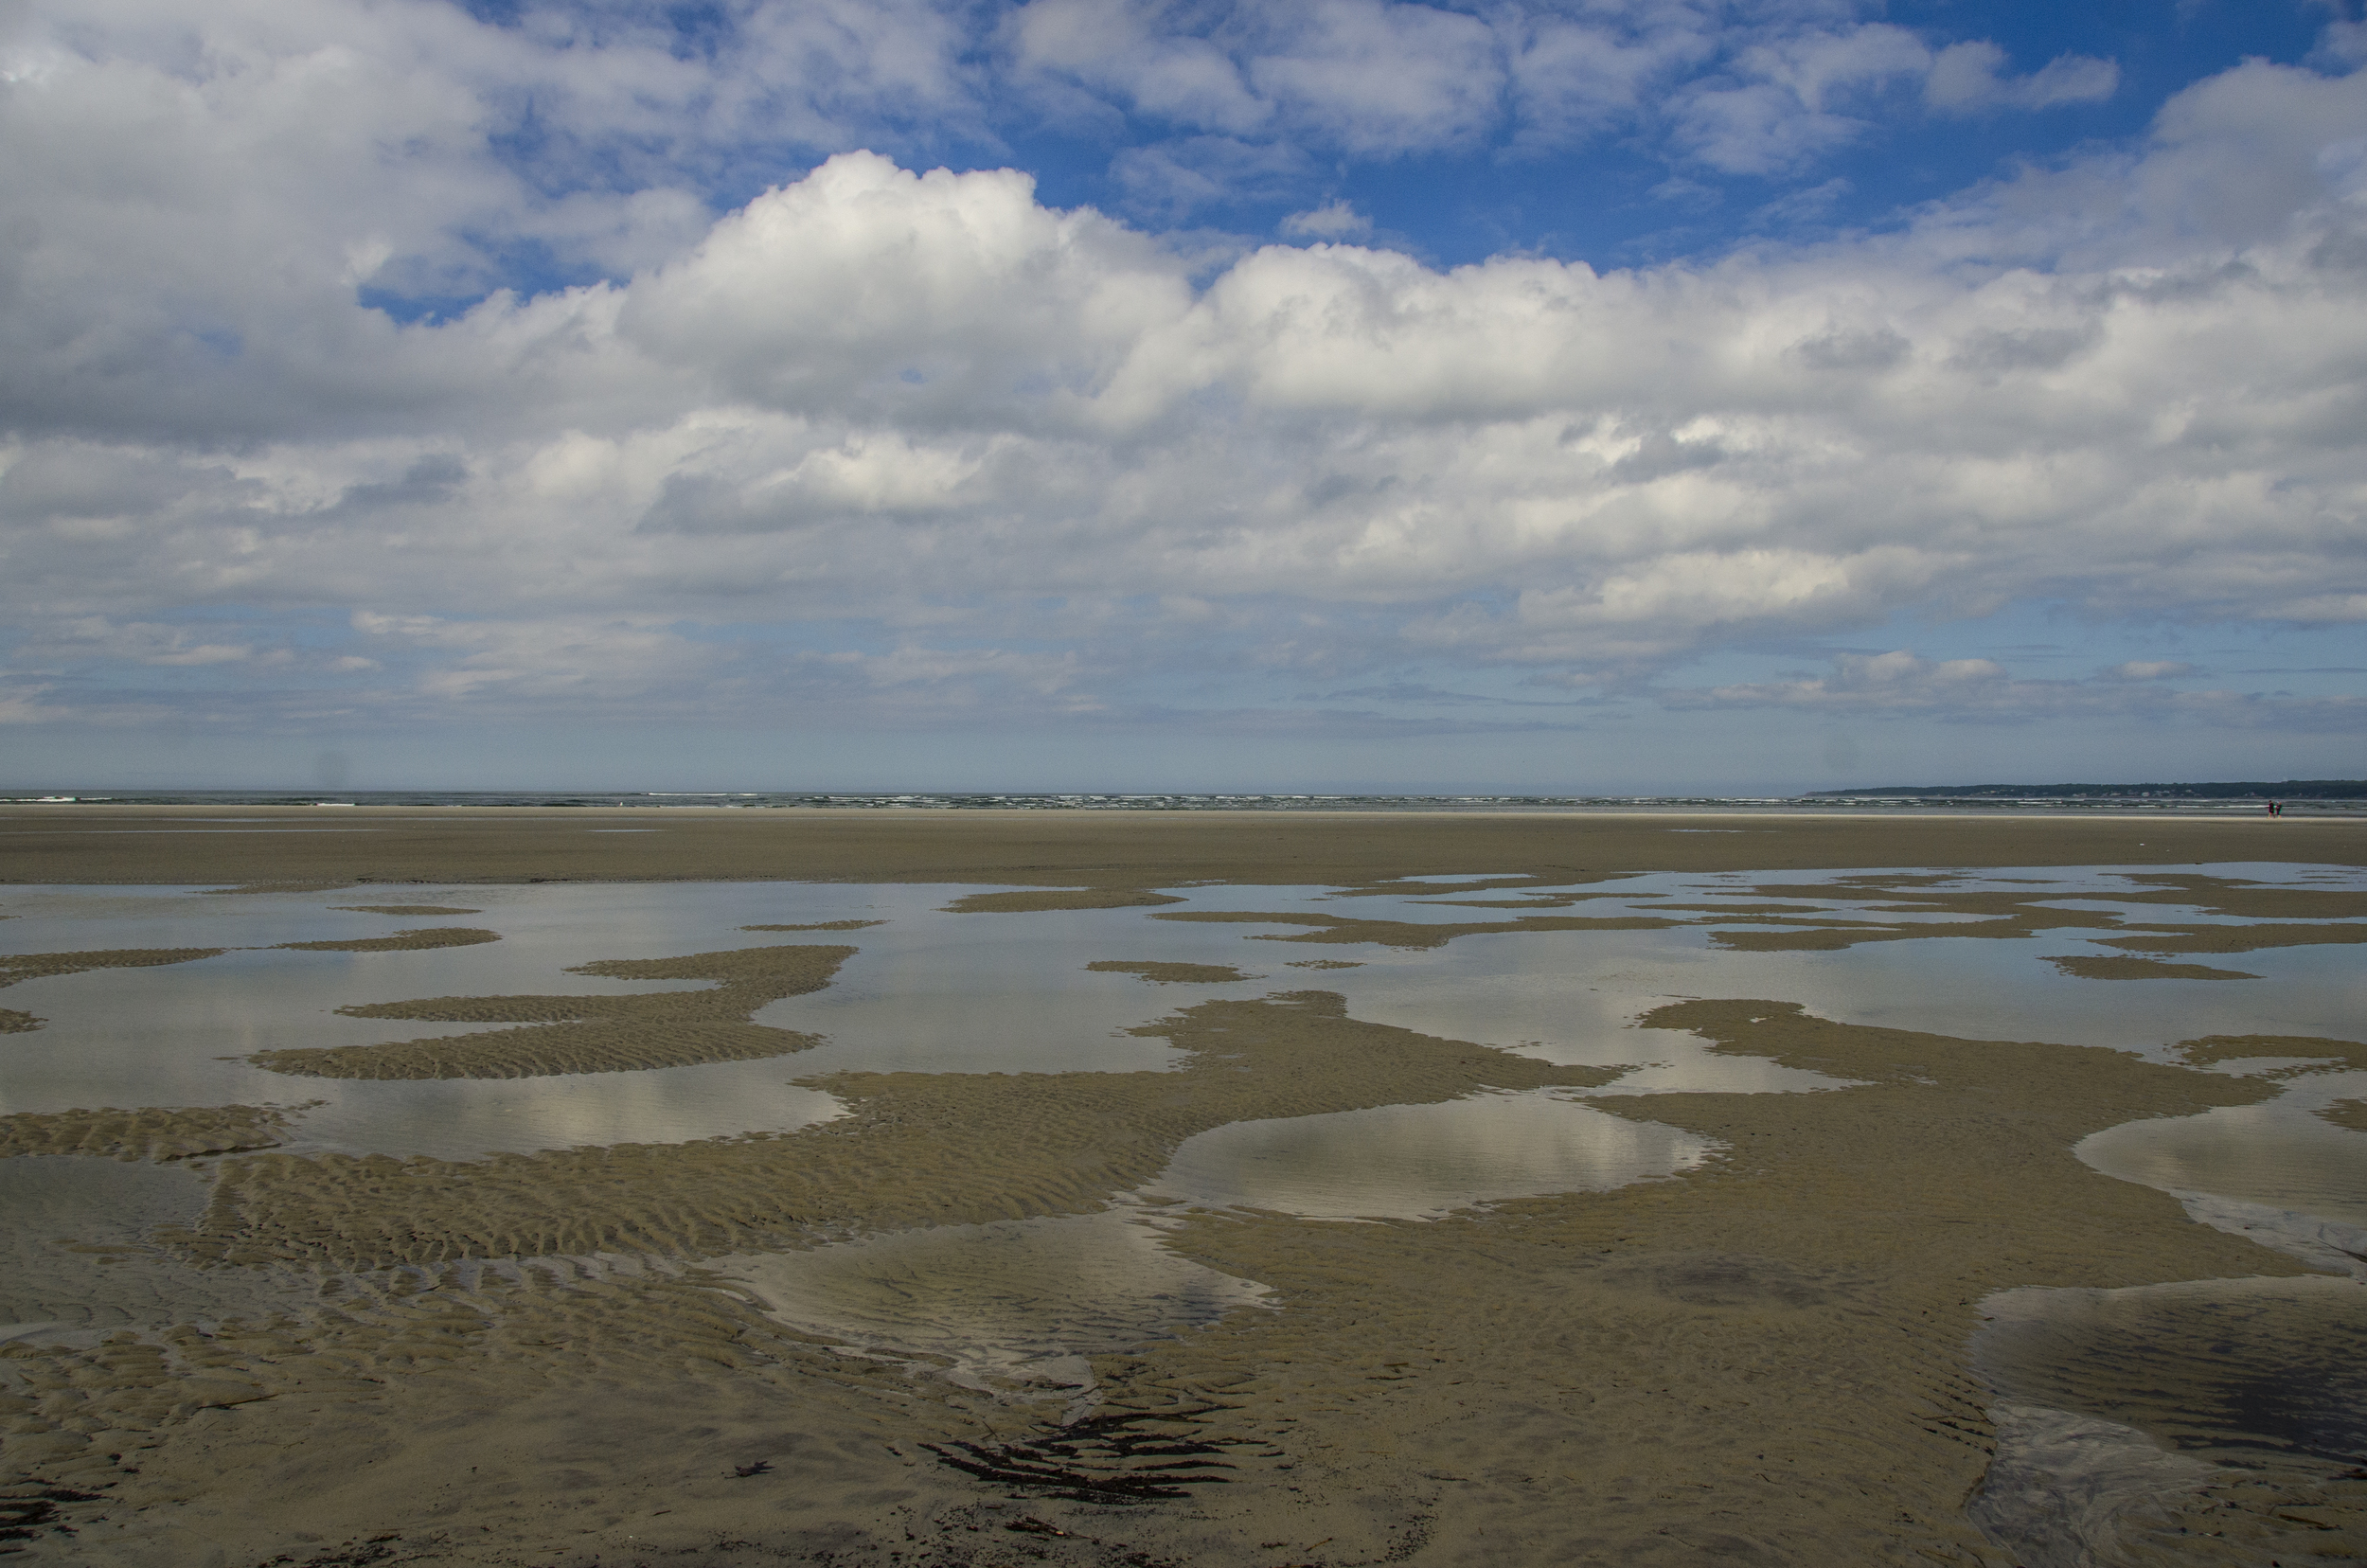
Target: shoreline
x,y
61,845
1767,1358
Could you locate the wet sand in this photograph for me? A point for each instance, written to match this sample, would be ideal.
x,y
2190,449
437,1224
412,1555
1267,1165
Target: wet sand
x,y
145,1135
1763,1360
588,1034
1105,850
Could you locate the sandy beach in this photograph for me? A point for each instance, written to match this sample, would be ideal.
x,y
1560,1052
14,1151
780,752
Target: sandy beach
x,y
392,844
551,1356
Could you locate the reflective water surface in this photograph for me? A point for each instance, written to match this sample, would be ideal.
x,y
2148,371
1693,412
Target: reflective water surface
x,y
77,1253
2279,1153
1026,1299
2115,1404
928,990
1416,1162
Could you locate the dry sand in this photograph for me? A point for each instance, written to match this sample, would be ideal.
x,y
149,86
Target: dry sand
x,y
1764,1361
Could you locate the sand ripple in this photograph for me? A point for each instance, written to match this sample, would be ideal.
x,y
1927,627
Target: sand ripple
x,y
591,1034
40,966
919,1148
1164,973
149,1134
403,942
2101,967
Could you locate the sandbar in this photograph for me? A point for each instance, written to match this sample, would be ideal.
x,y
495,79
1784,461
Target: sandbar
x,y
1763,1360
184,844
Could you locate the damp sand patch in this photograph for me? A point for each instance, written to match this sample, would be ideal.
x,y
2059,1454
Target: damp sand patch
x,y
2349,1113
560,1035
16,967
820,925
425,939
2319,1050
2098,967
148,1134
1165,973
1031,901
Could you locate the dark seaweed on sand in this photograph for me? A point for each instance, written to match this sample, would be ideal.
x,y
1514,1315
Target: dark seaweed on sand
x,y
1099,1459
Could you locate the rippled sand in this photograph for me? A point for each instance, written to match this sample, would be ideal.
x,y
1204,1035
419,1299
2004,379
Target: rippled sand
x,y
611,1353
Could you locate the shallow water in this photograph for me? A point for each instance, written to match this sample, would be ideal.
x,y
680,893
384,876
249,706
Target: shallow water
x,y
76,1253
1417,1162
1029,1299
2278,1153
933,992
2217,1368
1024,1299
2114,1403
937,992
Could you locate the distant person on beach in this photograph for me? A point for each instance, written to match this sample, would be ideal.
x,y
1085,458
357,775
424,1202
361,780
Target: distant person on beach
x,y
2276,810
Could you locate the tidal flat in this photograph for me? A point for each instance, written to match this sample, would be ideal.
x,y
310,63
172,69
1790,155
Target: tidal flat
x,y
490,1187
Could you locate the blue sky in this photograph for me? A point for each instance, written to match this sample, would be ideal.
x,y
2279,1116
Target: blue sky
x,y
1632,395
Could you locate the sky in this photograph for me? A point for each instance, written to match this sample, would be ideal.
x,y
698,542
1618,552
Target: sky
x,y
1548,395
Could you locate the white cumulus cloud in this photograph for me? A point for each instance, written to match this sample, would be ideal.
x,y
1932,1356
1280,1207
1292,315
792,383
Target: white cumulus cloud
x,y
878,431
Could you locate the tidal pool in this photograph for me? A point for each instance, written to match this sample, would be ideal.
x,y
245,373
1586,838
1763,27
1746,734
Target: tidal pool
x,y
2118,1410
1417,1162
933,992
2279,1153
1023,1300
